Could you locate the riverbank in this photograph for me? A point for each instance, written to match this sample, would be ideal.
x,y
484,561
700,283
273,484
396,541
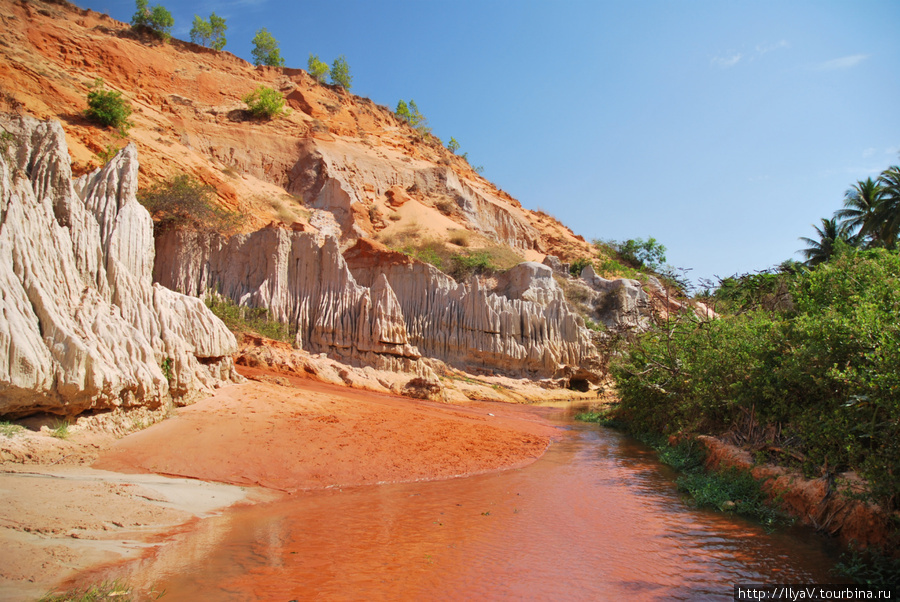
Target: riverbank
x,y
92,499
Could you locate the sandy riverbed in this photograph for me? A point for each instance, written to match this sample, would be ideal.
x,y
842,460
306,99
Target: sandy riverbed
x,y
94,499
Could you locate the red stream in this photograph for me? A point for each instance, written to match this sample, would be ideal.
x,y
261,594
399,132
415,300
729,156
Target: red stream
x,y
597,518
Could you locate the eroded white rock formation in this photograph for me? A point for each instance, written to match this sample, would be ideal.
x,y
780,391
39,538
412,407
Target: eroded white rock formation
x,y
381,308
620,303
82,326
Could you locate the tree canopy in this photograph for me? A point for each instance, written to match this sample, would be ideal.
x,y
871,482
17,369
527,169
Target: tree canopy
x,y
156,19
340,73
317,68
209,33
265,50
870,218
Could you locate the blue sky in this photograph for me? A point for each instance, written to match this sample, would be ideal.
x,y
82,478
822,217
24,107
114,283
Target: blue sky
x,y
723,129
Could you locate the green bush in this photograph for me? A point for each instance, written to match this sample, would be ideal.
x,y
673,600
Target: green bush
x,y
453,145
265,103
317,68
824,374
108,108
209,33
340,73
157,20
184,202
464,265
411,115
576,267
239,318
265,50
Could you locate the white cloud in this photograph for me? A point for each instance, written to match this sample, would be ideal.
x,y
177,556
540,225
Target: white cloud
x,y
869,152
845,62
766,48
727,61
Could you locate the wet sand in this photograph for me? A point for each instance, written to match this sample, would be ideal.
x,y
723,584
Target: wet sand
x,y
254,438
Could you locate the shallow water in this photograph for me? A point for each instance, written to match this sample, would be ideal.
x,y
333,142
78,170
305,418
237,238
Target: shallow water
x,y
597,518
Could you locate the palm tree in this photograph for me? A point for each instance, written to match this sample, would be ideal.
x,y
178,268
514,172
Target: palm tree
x,y
820,251
860,212
889,207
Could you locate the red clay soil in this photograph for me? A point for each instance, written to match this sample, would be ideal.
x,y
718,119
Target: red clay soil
x,y
313,435
815,502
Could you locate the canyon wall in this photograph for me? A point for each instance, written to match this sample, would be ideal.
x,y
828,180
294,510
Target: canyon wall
x,y
82,326
381,308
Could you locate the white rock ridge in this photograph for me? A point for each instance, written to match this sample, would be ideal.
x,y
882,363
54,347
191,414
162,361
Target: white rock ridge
x,y
82,326
376,307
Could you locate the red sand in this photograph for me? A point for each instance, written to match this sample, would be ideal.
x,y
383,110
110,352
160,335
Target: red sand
x,y
315,435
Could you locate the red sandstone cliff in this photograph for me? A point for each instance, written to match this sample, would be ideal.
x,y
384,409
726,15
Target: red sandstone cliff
x,y
340,161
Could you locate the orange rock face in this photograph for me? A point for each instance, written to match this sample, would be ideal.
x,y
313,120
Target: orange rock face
x,y
334,152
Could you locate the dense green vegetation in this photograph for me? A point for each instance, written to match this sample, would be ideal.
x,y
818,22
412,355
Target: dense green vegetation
x,y
813,376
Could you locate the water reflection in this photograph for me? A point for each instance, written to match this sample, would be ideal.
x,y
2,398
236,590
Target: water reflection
x,y
596,518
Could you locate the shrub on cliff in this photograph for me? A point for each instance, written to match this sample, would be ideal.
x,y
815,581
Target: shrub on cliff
x,y
156,20
183,202
209,33
576,267
411,115
317,68
265,103
340,73
108,108
265,50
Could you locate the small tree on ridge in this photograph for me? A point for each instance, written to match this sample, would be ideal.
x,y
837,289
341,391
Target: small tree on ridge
x,y
156,20
317,68
340,73
265,50
209,33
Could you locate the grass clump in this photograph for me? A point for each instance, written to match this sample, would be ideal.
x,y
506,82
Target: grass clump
x,y
8,429
60,429
106,590
459,265
730,490
868,567
240,319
